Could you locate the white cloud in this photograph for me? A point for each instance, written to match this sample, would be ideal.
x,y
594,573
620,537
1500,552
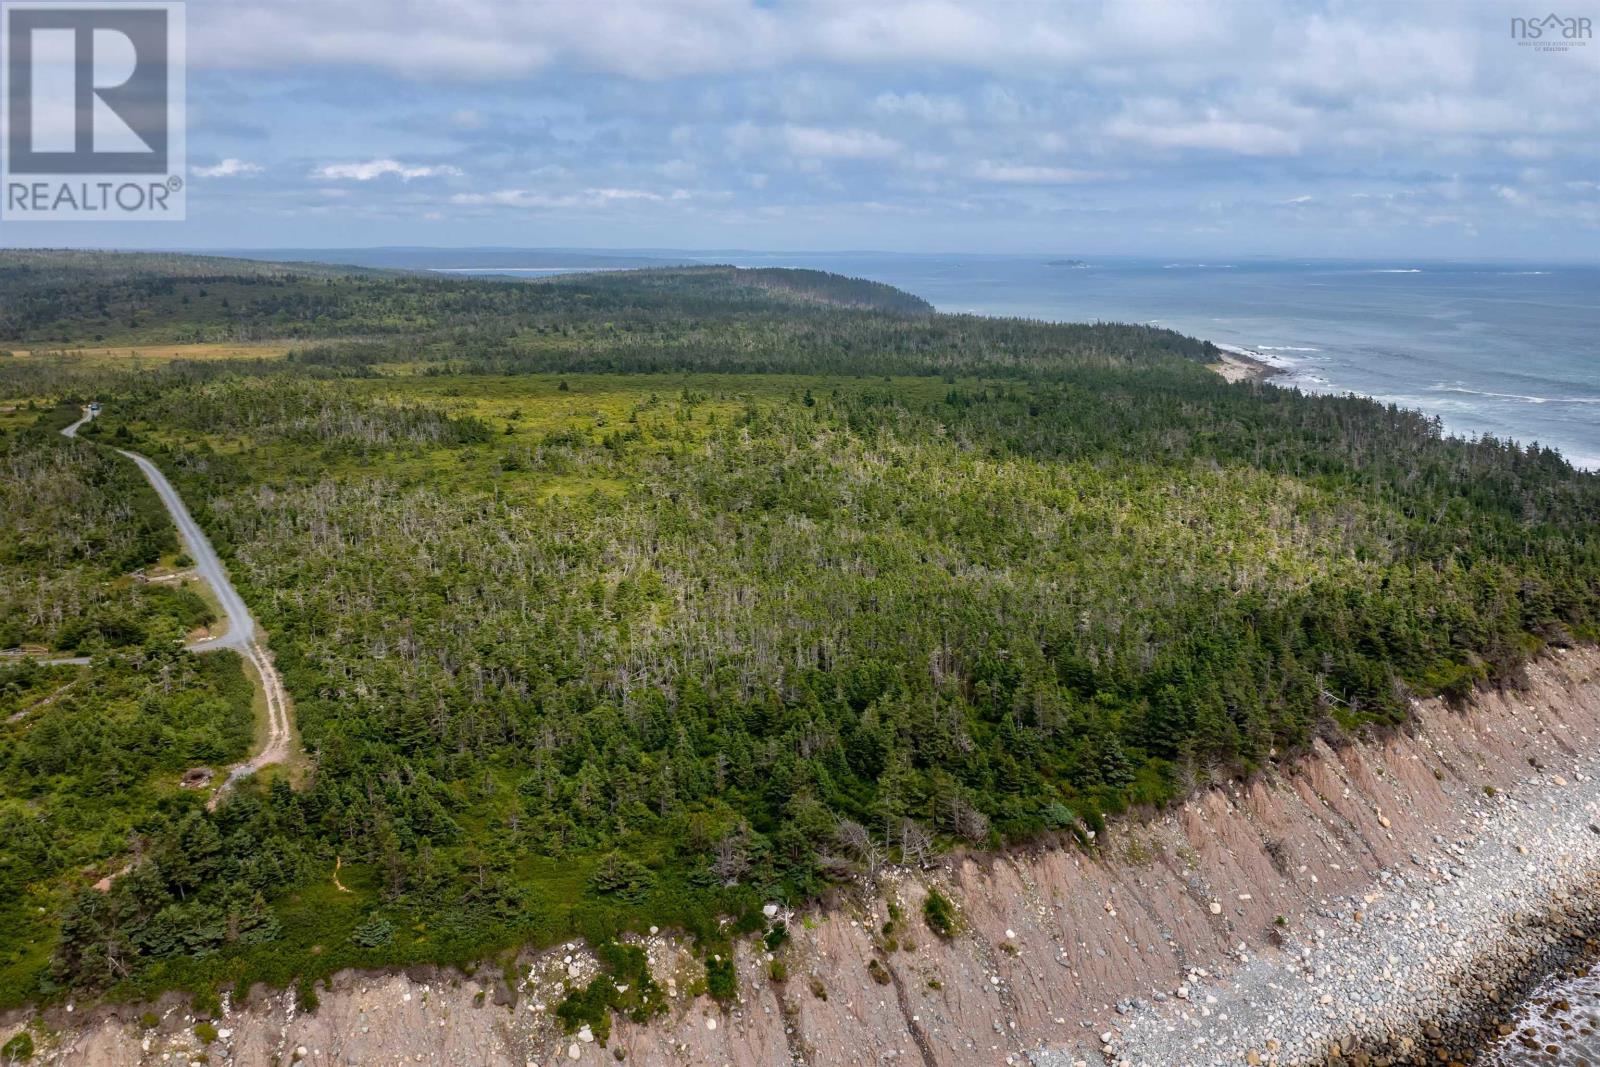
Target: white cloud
x,y
378,168
815,109
677,169
228,168
809,144
817,143
659,39
1031,175
529,198
926,107
1437,114
1212,133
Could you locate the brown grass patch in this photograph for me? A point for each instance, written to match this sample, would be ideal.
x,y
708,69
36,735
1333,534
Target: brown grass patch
x,y
135,355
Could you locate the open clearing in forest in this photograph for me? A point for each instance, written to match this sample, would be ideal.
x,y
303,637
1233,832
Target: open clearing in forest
x,y
528,411
133,356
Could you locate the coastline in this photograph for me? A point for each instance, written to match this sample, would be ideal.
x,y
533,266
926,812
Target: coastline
x,y
1239,364
1243,365
1406,898
1432,961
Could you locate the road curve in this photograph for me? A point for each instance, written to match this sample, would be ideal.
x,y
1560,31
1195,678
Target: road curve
x,y
242,634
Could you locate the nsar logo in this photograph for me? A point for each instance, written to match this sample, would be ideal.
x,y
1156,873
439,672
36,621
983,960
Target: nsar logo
x,y
1552,33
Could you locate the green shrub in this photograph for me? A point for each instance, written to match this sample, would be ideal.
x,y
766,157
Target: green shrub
x,y
722,980
625,985
940,914
375,932
589,1006
16,1050
207,1004
617,875
305,995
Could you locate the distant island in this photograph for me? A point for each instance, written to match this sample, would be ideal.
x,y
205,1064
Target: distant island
x,y
1066,263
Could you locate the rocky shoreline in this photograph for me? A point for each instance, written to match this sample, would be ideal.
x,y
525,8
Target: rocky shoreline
x,y
1440,1013
1326,912
1482,1014
1243,365
1429,965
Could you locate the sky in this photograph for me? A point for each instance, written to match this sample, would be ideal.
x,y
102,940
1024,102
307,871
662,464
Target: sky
x,y
1289,129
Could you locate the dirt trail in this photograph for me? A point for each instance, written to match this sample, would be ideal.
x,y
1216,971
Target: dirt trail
x,y
45,703
242,634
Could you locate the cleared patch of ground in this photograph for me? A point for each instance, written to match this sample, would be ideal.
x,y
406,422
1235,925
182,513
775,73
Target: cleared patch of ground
x,y
157,354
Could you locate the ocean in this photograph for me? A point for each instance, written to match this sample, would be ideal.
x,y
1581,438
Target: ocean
x,y
1559,1026
1509,350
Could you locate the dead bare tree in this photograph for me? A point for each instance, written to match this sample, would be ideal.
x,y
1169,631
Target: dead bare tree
x,y
967,821
730,858
857,840
916,843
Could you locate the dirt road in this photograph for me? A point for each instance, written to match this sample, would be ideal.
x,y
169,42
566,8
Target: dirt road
x,y
242,634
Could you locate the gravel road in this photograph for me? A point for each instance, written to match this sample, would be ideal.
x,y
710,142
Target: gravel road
x,y
242,634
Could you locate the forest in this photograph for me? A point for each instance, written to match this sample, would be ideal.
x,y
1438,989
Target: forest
x,y
89,753
646,597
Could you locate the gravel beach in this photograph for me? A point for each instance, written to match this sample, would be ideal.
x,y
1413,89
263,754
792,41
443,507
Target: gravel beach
x,y
1424,967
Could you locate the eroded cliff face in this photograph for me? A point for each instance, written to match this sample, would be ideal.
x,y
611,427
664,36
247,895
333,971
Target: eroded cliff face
x,y
1049,944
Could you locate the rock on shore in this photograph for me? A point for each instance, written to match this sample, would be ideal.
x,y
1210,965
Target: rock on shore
x,y
1375,891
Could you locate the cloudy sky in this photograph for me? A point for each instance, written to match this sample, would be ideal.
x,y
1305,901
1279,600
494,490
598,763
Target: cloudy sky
x,y
1412,129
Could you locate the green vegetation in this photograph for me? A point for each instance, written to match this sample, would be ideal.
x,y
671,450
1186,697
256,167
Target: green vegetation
x,y
939,913
626,987
78,299
642,599
74,522
90,756
880,974
18,1049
